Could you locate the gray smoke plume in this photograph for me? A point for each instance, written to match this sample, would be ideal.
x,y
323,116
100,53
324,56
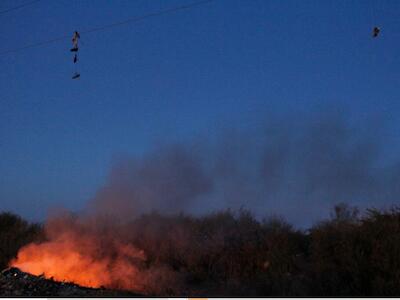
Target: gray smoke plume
x,y
291,167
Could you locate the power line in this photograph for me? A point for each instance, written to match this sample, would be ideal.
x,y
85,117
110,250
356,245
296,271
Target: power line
x,y
150,15
35,45
18,7
95,29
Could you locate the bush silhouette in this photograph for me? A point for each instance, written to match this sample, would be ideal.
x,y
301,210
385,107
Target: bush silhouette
x,y
15,233
234,254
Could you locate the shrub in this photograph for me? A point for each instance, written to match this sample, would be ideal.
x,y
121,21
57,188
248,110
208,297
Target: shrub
x,y
15,233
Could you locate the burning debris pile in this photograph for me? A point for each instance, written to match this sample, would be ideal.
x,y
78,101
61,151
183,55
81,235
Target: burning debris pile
x,y
14,282
93,252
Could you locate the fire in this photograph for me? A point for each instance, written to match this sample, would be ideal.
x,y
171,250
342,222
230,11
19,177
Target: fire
x,y
83,253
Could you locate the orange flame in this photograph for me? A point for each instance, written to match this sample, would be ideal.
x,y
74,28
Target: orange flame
x,y
82,254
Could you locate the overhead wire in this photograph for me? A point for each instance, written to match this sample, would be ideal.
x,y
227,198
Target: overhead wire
x,y
108,26
18,7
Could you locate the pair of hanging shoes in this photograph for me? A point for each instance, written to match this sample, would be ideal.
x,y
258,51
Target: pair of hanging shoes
x,y
375,32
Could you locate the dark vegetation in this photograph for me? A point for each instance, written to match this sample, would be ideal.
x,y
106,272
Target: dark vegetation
x,y
15,233
226,253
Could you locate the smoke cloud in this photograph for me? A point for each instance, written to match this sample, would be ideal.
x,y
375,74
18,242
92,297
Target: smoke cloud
x,y
291,167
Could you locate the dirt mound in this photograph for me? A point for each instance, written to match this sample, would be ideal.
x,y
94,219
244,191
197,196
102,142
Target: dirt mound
x,y
14,282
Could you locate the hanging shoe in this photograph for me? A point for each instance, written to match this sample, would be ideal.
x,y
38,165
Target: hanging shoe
x,y
375,32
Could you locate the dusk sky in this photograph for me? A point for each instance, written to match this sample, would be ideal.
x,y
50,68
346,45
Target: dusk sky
x,y
227,64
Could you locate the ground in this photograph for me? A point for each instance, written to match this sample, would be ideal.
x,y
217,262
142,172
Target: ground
x,y
14,282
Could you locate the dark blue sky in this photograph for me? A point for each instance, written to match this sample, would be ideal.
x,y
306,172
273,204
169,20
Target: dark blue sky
x,y
197,72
